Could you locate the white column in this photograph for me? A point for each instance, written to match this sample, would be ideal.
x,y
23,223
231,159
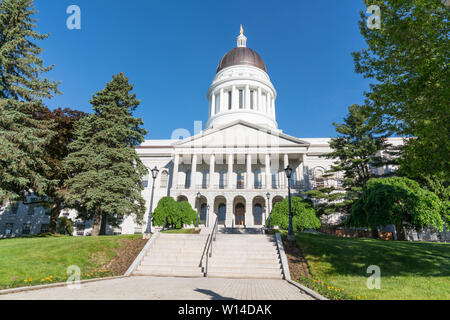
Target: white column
x,y
305,171
268,103
249,221
259,101
212,169
268,172
230,171
249,171
273,108
194,172
286,163
222,98
247,97
176,164
213,105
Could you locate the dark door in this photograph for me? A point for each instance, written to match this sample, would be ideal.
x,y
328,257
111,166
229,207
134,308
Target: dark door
x,y
240,215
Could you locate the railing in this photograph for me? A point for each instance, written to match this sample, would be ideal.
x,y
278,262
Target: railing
x,y
209,250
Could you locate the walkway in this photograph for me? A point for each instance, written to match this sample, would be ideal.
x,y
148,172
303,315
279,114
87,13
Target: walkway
x,y
154,288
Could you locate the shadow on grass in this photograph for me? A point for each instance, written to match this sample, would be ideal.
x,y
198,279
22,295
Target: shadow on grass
x,y
395,258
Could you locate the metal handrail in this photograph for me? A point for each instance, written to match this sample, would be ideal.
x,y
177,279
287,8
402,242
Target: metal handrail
x,y
209,251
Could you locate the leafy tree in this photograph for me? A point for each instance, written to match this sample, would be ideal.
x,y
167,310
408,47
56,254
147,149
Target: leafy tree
x,y
106,172
23,135
65,226
396,201
356,151
175,215
303,215
408,59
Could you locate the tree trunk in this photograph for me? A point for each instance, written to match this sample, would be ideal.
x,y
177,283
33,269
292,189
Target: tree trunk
x,y
401,236
103,225
96,226
54,215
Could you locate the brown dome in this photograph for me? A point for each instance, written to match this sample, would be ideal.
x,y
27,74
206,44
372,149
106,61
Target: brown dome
x,y
242,56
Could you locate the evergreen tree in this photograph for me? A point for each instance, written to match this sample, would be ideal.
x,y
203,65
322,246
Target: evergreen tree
x,y
23,134
106,172
408,59
356,151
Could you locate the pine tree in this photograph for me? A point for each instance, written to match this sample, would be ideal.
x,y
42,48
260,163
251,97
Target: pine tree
x,y
106,172
356,151
23,136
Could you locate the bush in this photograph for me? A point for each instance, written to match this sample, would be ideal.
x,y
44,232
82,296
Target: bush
x,y
396,201
175,215
303,215
65,226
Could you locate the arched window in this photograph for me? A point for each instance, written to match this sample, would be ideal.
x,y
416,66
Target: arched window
x,y
222,213
257,175
164,179
258,215
188,179
203,213
240,180
319,181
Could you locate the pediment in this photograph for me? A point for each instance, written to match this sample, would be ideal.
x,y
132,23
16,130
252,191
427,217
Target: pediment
x,y
240,134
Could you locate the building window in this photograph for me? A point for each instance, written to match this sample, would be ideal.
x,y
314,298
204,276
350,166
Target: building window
x,y
252,99
80,229
31,209
26,228
222,179
187,183
241,99
14,208
9,229
257,175
164,179
45,228
240,180
205,175
230,100
217,104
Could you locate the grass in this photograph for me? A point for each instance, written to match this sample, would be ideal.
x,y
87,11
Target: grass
x,y
409,270
43,260
180,231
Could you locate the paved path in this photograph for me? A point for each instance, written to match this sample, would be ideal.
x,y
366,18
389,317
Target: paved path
x,y
154,288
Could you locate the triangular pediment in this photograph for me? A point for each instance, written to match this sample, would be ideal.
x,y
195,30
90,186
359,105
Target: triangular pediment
x,y
240,134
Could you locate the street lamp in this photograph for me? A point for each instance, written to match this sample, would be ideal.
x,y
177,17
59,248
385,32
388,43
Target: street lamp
x,y
291,235
198,205
155,172
268,207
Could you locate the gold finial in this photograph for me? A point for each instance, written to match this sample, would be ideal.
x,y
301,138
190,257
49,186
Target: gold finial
x,y
242,30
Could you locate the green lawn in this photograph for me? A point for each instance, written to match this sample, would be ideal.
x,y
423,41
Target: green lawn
x,y
32,261
409,270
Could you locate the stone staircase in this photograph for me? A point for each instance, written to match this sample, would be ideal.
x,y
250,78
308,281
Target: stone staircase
x,y
174,255
245,256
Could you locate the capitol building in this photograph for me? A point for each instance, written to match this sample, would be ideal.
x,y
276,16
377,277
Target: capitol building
x,y
233,170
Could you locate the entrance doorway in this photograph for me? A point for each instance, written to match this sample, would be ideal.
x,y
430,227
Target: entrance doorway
x,y
240,214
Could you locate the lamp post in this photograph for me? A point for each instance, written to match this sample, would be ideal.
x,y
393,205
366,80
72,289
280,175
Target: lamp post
x,y
268,207
291,235
198,204
155,172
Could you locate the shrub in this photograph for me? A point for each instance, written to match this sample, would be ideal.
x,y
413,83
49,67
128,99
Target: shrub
x,y
303,215
175,215
65,226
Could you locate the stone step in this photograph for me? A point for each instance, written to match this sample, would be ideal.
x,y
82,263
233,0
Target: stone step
x,y
253,275
240,260
173,259
167,262
243,269
244,265
184,274
169,268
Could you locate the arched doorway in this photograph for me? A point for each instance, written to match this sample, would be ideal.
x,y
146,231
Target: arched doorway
x,y
259,204
203,213
220,210
239,214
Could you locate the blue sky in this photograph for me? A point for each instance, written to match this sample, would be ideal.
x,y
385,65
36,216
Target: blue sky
x,y
170,51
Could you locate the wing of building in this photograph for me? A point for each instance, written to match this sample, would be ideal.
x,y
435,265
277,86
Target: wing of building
x,y
234,169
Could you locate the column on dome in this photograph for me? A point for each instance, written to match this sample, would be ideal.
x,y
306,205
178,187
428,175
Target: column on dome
x,y
194,172
268,172
222,98
268,103
247,97
259,100
213,104
230,171
249,171
212,169
176,164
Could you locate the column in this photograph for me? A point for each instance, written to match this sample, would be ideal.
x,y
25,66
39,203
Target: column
x,y
286,163
259,100
222,98
249,172
249,221
305,171
212,168
229,218
213,105
273,108
194,172
247,97
268,173
230,171
176,164
268,103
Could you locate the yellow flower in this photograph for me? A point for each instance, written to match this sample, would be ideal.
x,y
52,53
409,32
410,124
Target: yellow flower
x,y
25,280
